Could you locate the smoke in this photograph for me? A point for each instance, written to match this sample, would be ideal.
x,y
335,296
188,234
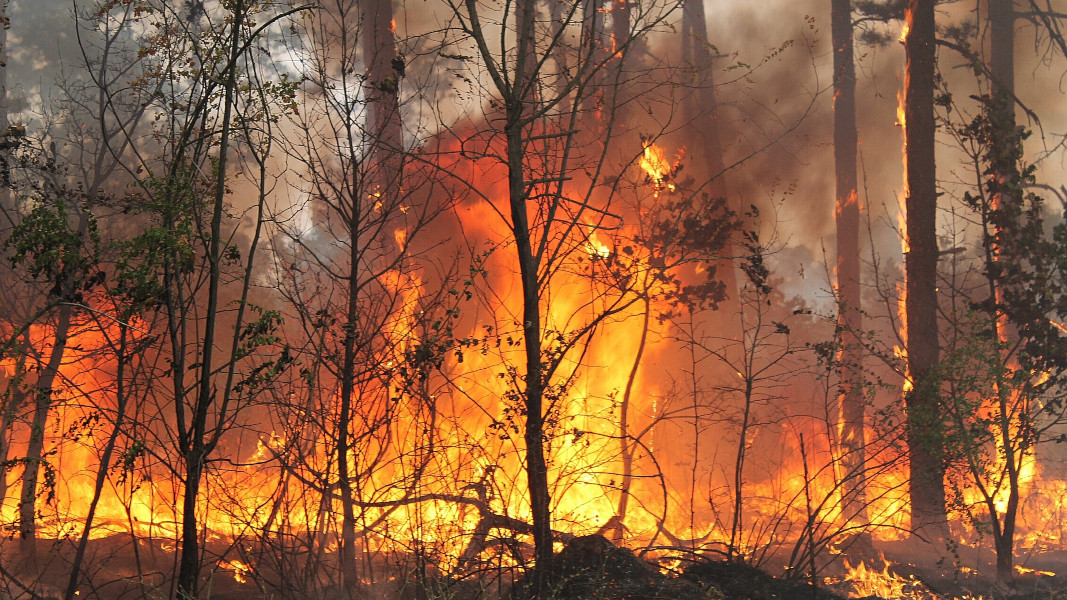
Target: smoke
x,y
42,46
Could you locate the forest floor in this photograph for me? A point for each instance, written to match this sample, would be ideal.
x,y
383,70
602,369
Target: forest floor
x,y
592,568
589,568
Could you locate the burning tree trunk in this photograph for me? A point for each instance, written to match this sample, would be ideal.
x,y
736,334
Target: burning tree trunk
x,y
925,437
620,27
850,316
1006,187
385,68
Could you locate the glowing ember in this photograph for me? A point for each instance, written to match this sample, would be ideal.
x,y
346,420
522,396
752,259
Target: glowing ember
x,y
1025,571
1058,325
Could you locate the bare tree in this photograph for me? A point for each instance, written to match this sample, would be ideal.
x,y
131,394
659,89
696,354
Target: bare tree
x,y
546,206
358,263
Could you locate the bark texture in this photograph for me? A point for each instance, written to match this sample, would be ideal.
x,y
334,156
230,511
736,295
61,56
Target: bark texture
x,y
924,429
847,221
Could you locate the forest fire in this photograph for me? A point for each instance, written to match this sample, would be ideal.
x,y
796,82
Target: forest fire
x,y
867,582
451,312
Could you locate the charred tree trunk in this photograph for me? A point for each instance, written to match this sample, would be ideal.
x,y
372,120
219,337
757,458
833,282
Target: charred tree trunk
x,y
620,27
519,95
385,68
536,464
924,423
850,316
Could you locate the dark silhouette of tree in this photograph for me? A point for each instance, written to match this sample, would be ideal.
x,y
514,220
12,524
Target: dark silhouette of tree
x,y
849,291
922,399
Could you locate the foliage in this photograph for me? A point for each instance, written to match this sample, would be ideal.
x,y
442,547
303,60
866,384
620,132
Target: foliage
x,y
1026,264
56,250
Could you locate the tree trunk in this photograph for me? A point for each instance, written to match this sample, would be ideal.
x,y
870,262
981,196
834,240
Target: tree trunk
x,y
924,430
519,95
1002,49
701,110
626,450
1005,541
536,464
42,393
347,553
850,317
197,448
737,526
7,206
14,396
385,68
189,561
1002,73
620,27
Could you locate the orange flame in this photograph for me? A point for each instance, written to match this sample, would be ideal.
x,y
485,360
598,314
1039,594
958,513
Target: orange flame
x,y
240,570
658,170
869,582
